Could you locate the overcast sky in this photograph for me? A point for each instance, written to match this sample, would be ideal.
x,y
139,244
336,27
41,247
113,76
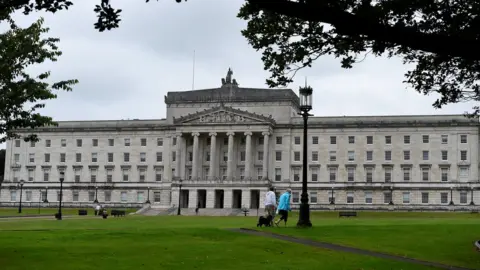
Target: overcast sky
x,y
125,73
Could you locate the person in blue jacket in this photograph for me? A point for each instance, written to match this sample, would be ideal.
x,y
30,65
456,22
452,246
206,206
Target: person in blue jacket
x,y
284,207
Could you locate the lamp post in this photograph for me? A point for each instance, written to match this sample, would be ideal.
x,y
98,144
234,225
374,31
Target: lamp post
x,y
471,196
39,200
391,196
305,107
451,196
148,195
96,195
332,200
62,178
179,197
21,191
45,200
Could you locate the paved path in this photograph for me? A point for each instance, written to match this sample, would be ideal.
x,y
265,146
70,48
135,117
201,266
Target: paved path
x,y
346,249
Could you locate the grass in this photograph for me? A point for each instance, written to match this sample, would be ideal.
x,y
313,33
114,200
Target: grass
x,y
171,242
48,211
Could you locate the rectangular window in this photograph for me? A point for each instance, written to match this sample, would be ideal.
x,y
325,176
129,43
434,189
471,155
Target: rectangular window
x,y
31,174
369,155
160,141
225,156
444,139
93,175
242,155
313,197
63,157
141,175
425,139
332,174
48,143
123,196
425,174
63,142
369,139
125,175
17,143
242,173
297,140
94,157
174,156
126,141
406,139
13,195
463,138
388,155
143,157
261,140
296,174
350,197
463,155
28,195
108,195
156,196
314,171
77,173
47,157
278,140
314,155
351,174
315,140
296,156
160,157
143,142
445,172
333,140
444,197
32,144
78,157
260,156
406,174
110,157
351,139
295,197
278,174
368,197
79,142
424,197
444,155
94,142
351,155
406,197
46,175
109,175
406,155
369,174
387,197
463,173
425,155
111,142
31,157
278,155
126,157
463,197
75,196
388,174
259,173
388,139
333,156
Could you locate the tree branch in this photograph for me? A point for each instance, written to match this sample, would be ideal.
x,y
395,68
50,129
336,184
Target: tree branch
x,y
351,24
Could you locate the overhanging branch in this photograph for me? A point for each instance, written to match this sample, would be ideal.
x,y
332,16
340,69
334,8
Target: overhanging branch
x,y
350,24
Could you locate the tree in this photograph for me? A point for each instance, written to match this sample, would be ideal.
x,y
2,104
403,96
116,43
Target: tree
x,y
440,37
20,93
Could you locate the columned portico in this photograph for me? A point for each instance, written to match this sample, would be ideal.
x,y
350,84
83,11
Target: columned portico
x,y
195,156
248,154
230,165
213,155
265,154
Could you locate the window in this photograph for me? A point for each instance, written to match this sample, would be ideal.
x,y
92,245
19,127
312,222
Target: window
x,y
63,142
260,155
261,140
425,173
31,174
224,173
31,157
110,157
174,156
143,142
125,175
143,157
123,196
297,140
111,142
94,157
369,155
28,195
387,197
333,155
332,174
463,155
444,197
315,140
351,155
278,155
174,141
259,173
160,141
126,141
93,175
406,197
32,144
242,156
79,142
141,175
109,175
17,143
160,156
444,155
225,156
333,140
425,155
314,171
424,197
351,174
278,140
48,143
242,173
369,174
388,174
13,195
406,139
75,196
47,157
406,155
445,172
463,138
368,197
94,142
388,155
369,139
296,174
331,196
463,197
78,157
126,157
406,174
16,172
295,197
388,139
313,197
351,139
62,157
77,173
350,197
444,139
108,195
425,139
16,158
156,196
296,156
314,155
463,172
278,174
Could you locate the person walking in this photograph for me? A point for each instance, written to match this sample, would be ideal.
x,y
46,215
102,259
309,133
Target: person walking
x,y
270,204
284,207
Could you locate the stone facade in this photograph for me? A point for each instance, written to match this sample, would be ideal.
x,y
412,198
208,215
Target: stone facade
x,y
224,147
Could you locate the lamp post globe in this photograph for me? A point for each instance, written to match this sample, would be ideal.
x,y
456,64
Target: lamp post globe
x,y
62,178
20,184
305,106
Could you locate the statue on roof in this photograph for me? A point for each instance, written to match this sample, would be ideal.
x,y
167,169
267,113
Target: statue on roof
x,y
228,79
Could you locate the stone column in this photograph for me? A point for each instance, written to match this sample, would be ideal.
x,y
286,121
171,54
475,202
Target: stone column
x,y
213,155
192,198
248,154
210,198
265,154
167,159
195,156
230,165
178,158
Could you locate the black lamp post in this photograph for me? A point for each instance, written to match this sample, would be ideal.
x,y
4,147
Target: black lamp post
x,y
62,178
471,196
96,195
332,200
451,196
391,196
45,200
148,195
179,197
21,191
305,107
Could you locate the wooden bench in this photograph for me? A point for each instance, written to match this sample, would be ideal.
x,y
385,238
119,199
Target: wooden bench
x,y
118,213
82,212
347,214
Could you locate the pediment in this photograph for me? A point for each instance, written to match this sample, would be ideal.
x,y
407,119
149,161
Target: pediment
x,y
224,115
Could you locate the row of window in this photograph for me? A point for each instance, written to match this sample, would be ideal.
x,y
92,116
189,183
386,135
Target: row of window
x,y
95,142
107,196
94,157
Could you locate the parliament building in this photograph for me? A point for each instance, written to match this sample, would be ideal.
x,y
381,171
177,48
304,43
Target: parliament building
x,y
222,148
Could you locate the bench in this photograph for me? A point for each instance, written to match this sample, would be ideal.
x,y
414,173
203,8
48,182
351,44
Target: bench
x,y
347,214
118,213
82,212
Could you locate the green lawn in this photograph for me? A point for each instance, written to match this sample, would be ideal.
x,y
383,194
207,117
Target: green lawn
x,y
171,242
48,211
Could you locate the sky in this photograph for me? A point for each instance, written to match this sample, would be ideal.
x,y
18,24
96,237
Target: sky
x,y
125,73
